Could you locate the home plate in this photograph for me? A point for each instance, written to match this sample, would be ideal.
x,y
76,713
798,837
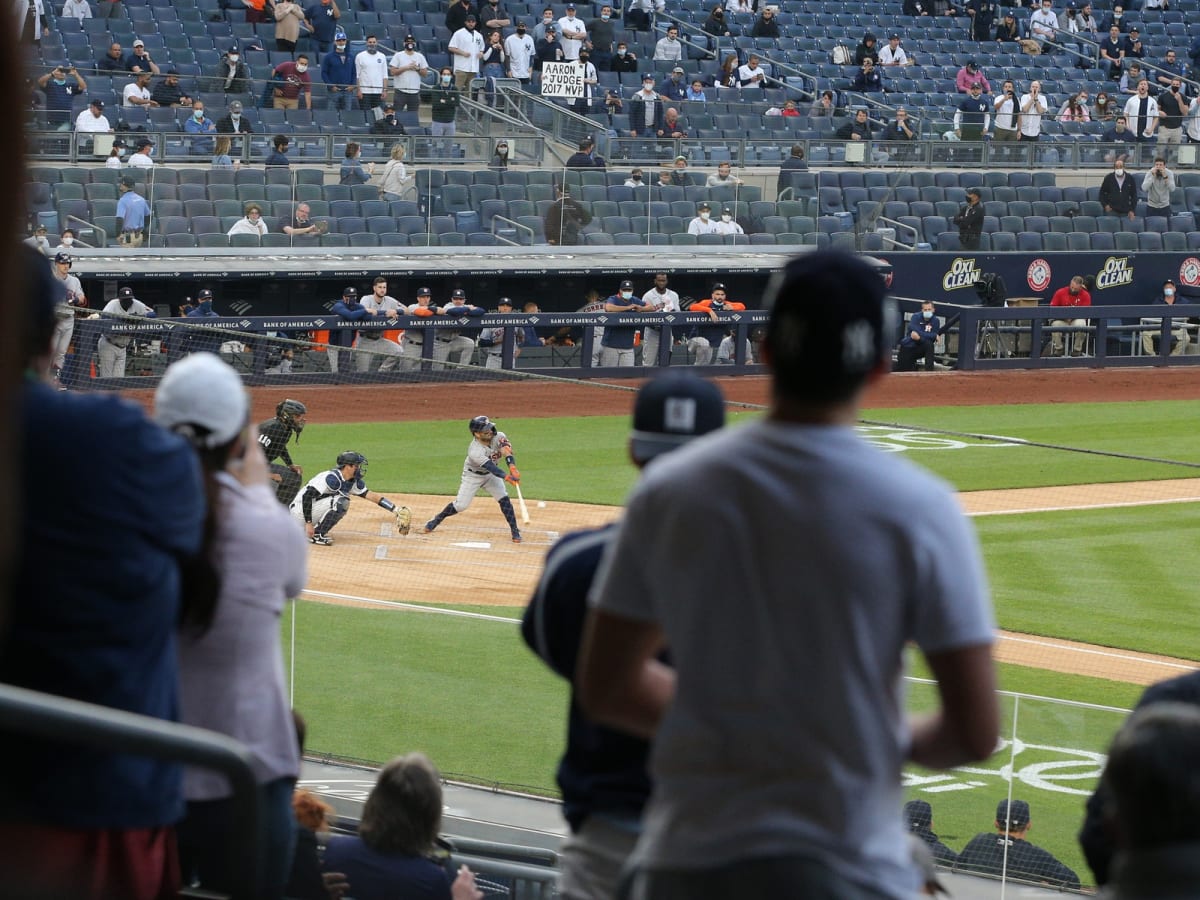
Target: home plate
x,y
473,545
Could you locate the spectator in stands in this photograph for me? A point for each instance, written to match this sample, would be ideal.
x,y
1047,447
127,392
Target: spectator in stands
x,y
721,803
1116,17
669,47
703,222
1172,107
396,184
493,19
353,172
970,74
1141,112
602,34
1075,109
370,74
137,92
251,223
322,21
672,126
61,85
547,22
200,124
1075,294
1130,79
635,179
1167,296
728,76
139,60
727,224
500,159
521,53
897,134
1193,120
234,122
339,75
1103,108
289,17
983,17
918,814
624,61
38,240
291,79
1157,186
825,106
591,78
893,54
641,13
766,25
1168,70
868,79
1043,27
388,124
1112,53
256,11
548,49
133,212
916,7
389,857
1033,106
76,821
76,9
143,149
221,156
696,93
646,109
168,93
970,220
92,120
1134,49
583,158
602,774
857,130
466,49
1005,108
300,224
1010,854
230,657
919,343
1118,193
573,32
723,177
407,68
751,76
278,156
944,8
565,219
445,99
716,27
866,49
231,75
1008,31
456,15
112,62
674,88
680,177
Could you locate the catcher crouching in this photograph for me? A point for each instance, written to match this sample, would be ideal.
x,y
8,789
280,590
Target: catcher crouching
x,y
326,498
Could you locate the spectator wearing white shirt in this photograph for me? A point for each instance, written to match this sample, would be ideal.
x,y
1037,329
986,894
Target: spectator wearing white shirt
x,y
723,177
1193,120
669,48
1043,25
466,47
751,75
92,120
407,67
573,33
727,224
141,156
893,54
519,48
252,223
1033,106
1141,111
371,70
137,92
703,223
76,9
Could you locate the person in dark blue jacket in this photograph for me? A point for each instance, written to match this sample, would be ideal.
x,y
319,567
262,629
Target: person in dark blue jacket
x,y
918,341
337,72
350,310
603,774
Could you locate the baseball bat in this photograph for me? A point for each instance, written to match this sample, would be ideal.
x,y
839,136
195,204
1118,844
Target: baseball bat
x,y
524,508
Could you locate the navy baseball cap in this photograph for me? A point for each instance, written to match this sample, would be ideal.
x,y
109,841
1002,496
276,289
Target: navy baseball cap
x,y
125,293
458,293
504,301
1014,814
350,292
62,258
424,292
830,319
205,294
626,285
672,409
918,814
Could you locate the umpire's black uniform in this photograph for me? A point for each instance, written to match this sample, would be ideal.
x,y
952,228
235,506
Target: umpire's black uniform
x,y
273,435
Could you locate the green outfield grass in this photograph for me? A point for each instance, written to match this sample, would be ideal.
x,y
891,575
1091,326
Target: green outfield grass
x,y
377,682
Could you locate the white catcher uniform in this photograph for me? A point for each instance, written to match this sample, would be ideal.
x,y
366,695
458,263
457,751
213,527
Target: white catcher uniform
x,y
332,499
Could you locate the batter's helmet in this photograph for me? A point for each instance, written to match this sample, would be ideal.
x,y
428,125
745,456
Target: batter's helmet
x,y
352,458
288,410
482,425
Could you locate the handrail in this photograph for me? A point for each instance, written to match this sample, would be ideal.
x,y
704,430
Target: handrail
x,y
516,226
52,718
892,223
92,225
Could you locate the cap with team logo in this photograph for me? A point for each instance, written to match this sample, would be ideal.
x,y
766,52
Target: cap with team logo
x,y
350,293
471,17
98,103
62,258
424,292
727,211
125,293
627,285
703,206
718,286
671,410
205,294
504,301
458,294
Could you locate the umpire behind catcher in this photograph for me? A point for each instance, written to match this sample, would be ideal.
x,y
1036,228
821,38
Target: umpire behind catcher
x,y
274,435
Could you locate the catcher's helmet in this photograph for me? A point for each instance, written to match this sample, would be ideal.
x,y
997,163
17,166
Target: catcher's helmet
x,y
482,425
352,458
288,410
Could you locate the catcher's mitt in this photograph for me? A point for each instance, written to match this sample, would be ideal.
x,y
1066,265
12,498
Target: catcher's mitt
x,y
403,519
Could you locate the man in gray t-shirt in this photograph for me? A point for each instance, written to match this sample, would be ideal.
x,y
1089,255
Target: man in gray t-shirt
x,y
780,734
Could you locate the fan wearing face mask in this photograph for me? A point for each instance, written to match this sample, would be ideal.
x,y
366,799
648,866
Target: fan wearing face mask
x,y
407,68
292,80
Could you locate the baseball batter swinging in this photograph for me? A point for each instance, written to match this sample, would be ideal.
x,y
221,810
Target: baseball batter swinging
x,y
481,470
326,499
273,435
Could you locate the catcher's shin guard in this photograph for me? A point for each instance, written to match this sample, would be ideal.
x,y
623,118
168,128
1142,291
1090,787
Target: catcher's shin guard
x,y
335,515
444,514
506,507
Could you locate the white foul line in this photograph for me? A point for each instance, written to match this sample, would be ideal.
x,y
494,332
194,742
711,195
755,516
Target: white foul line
x,y
396,604
1073,507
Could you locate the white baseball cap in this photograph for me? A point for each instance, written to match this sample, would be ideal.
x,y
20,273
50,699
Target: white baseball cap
x,y
203,399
